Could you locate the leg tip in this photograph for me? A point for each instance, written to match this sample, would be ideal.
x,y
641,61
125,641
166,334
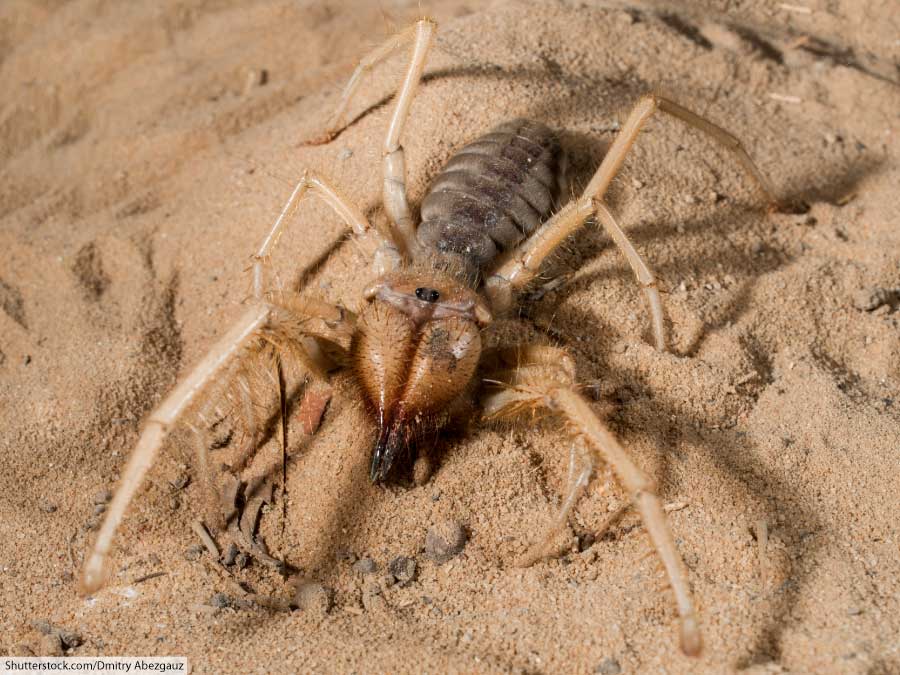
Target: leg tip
x,y
691,642
92,578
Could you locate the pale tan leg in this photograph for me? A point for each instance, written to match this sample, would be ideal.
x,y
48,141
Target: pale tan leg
x,y
523,264
517,268
386,257
394,190
368,62
581,465
289,319
540,384
641,112
155,430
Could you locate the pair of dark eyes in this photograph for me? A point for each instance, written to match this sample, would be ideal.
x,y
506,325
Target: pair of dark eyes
x,y
427,294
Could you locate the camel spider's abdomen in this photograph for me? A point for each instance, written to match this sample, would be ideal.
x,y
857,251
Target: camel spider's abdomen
x,y
492,193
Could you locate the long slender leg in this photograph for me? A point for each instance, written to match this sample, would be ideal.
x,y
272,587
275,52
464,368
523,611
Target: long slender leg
x,y
283,325
539,384
156,429
525,262
641,112
394,189
386,255
367,63
394,192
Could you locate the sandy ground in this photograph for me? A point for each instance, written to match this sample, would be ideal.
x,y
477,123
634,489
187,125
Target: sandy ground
x,y
146,148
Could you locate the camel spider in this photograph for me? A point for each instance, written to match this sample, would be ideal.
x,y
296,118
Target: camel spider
x,y
487,225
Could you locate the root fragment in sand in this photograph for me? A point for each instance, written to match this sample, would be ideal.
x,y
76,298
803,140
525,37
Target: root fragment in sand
x,y
784,98
148,577
200,530
762,541
796,9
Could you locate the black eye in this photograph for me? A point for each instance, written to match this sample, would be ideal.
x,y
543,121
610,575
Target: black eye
x,y
427,294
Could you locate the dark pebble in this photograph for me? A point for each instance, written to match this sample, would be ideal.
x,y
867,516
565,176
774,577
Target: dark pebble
x,y
403,570
445,541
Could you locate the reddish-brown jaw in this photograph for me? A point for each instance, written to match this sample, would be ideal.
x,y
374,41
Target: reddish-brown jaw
x,y
416,350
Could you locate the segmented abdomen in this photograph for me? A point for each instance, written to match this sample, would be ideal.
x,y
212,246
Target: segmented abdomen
x,y
492,193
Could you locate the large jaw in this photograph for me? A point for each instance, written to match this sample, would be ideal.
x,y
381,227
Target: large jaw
x,y
417,349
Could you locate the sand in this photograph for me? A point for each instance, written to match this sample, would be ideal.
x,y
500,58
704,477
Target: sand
x,y
146,147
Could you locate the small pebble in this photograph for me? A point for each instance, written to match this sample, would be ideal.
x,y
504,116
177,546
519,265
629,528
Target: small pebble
x,y
365,566
403,569
69,638
51,645
314,597
445,540
220,601
47,507
609,667
193,552
181,481
241,560
869,299
99,509
103,497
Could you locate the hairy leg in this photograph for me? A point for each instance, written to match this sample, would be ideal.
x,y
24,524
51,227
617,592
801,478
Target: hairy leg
x,y
284,320
543,377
